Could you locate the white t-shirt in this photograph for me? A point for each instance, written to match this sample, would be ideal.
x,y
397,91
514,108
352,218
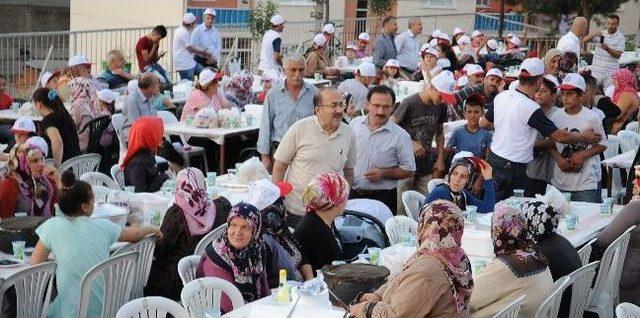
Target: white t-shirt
x,y
182,58
569,43
589,175
603,63
267,62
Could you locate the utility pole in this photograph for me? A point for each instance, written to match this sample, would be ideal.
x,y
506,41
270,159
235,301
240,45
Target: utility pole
x,y
501,21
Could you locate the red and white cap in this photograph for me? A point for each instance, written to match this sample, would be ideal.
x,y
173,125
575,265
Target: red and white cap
x,y
366,69
277,19
106,95
364,37
476,33
188,18
462,81
514,40
209,12
531,67
329,28
78,60
464,40
494,72
436,33
445,84
23,125
552,79
392,63
320,40
458,30
46,77
352,47
492,44
263,193
474,69
428,49
573,81
207,75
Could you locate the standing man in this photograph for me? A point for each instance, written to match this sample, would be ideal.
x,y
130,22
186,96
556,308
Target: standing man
x,y
147,52
270,56
384,152
570,42
184,49
608,51
517,119
207,36
408,47
358,88
315,145
285,103
385,43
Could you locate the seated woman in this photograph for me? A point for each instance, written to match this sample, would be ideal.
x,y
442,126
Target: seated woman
x,y
237,256
29,186
461,177
625,96
139,164
238,91
79,242
206,94
57,126
192,216
436,280
542,222
325,199
519,268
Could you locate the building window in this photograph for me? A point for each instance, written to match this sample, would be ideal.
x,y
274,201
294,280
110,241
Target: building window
x,y
438,3
483,3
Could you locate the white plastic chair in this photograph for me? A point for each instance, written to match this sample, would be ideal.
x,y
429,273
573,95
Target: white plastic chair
x,y
399,225
412,201
152,307
433,183
585,252
145,248
551,305
633,126
169,118
117,120
512,310
631,140
580,282
603,296
627,310
118,175
116,272
613,149
33,287
210,237
206,293
95,178
81,164
187,268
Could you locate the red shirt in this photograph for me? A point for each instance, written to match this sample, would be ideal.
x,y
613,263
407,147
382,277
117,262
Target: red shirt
x,y
5,101
143,44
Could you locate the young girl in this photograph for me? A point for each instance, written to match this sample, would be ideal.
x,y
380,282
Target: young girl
x,y
391,74
107,101
79,242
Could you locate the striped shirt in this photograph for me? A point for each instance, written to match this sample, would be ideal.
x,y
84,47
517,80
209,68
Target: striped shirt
x,y
603,63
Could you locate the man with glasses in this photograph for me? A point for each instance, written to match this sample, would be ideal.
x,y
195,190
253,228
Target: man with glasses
x,y
285,103
315,145
384,152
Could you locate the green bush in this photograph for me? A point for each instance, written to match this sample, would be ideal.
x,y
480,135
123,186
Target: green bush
x,y
259,17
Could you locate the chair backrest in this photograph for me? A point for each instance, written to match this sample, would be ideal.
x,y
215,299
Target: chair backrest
x,y
433,183
399,225
412,201
117,175
512,310
207,239
99,179
580,282
551,305
116,273
585,252
84,163
145,248
187,268
205,294
33,287
627,310
613,146
96,127
167,117
152,307
629,140
118,121
633,126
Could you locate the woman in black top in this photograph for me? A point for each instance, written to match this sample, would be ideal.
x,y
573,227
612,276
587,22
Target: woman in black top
x,y
57,126
139,164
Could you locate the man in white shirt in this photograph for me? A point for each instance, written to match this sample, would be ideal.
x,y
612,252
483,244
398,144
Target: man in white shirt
x,y
184,49
608,51
270,52
570,42
207,36
408,47
358,88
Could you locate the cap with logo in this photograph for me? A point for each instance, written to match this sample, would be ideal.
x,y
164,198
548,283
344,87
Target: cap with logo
x,y
464,40
514,40
492,44
474,69
531,67
573,81
445,84
352,47
552,79
363,37
23,125
366,69
476,33
277,19
458,30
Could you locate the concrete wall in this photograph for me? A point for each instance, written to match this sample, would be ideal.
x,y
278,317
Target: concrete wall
x,y
33,18
95,15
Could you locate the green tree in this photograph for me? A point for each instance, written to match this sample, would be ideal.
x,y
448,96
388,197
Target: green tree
x,y
381,7
260,16
585,8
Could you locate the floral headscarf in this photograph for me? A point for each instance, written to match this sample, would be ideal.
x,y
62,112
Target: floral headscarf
x,y
325,191
513,244
246,263
440,235
549,56
542,219
626,83
84,95
275,224
238,90
191,196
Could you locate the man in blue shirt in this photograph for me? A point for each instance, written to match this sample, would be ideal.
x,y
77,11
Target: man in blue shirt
x,y
471,137
207,36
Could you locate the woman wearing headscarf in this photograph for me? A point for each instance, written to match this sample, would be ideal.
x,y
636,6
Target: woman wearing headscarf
x,y
462,176
552,62
436,281
192,216
625,96
237,256
519,268
325,198
29,186
206,94
139,164
238,90
84,101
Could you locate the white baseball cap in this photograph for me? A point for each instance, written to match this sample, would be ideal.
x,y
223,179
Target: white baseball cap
x,y
366,69
39,143
492,44
443,63
495,72
531,67
23,125
474,69
436,33
270,75
320,40
552,79
46,77
463,81
445,84
444,36
514,40
513,85
263,193
106,95
464,40
392,63
428,49
364,36
352,47
433,42
277,19
207,75
78,60
329,28
189,18
476,33
209,12
573,81
457,30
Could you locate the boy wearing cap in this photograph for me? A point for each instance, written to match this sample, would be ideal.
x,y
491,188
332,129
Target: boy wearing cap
x,y
271,47
363,42
184,49
208,37
22,129
488,89
147,51
358,88
577,168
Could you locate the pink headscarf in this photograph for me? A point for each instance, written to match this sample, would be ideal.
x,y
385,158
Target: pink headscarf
x,y
325,191
191,196
626,83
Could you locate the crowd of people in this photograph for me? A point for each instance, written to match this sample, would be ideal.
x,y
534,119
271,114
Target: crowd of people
x,y
324,146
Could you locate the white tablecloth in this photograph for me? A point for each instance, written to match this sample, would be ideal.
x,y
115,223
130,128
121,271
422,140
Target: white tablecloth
x,y
629,57
215,134
9,114
623,160
347,69
267,307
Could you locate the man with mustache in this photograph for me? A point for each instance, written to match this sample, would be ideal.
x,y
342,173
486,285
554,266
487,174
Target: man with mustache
x,y
384,151
488,89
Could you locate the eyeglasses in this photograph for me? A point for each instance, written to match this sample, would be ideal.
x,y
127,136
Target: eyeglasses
x,y
337,105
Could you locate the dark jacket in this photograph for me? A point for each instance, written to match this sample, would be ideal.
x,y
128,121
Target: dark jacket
x,y
319,242
142,173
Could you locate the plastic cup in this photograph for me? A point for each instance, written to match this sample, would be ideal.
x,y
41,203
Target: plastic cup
x,y
249,118
567,196
18,249
374,255
211,179
606,207
518,193
131,189
470,213
572,221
